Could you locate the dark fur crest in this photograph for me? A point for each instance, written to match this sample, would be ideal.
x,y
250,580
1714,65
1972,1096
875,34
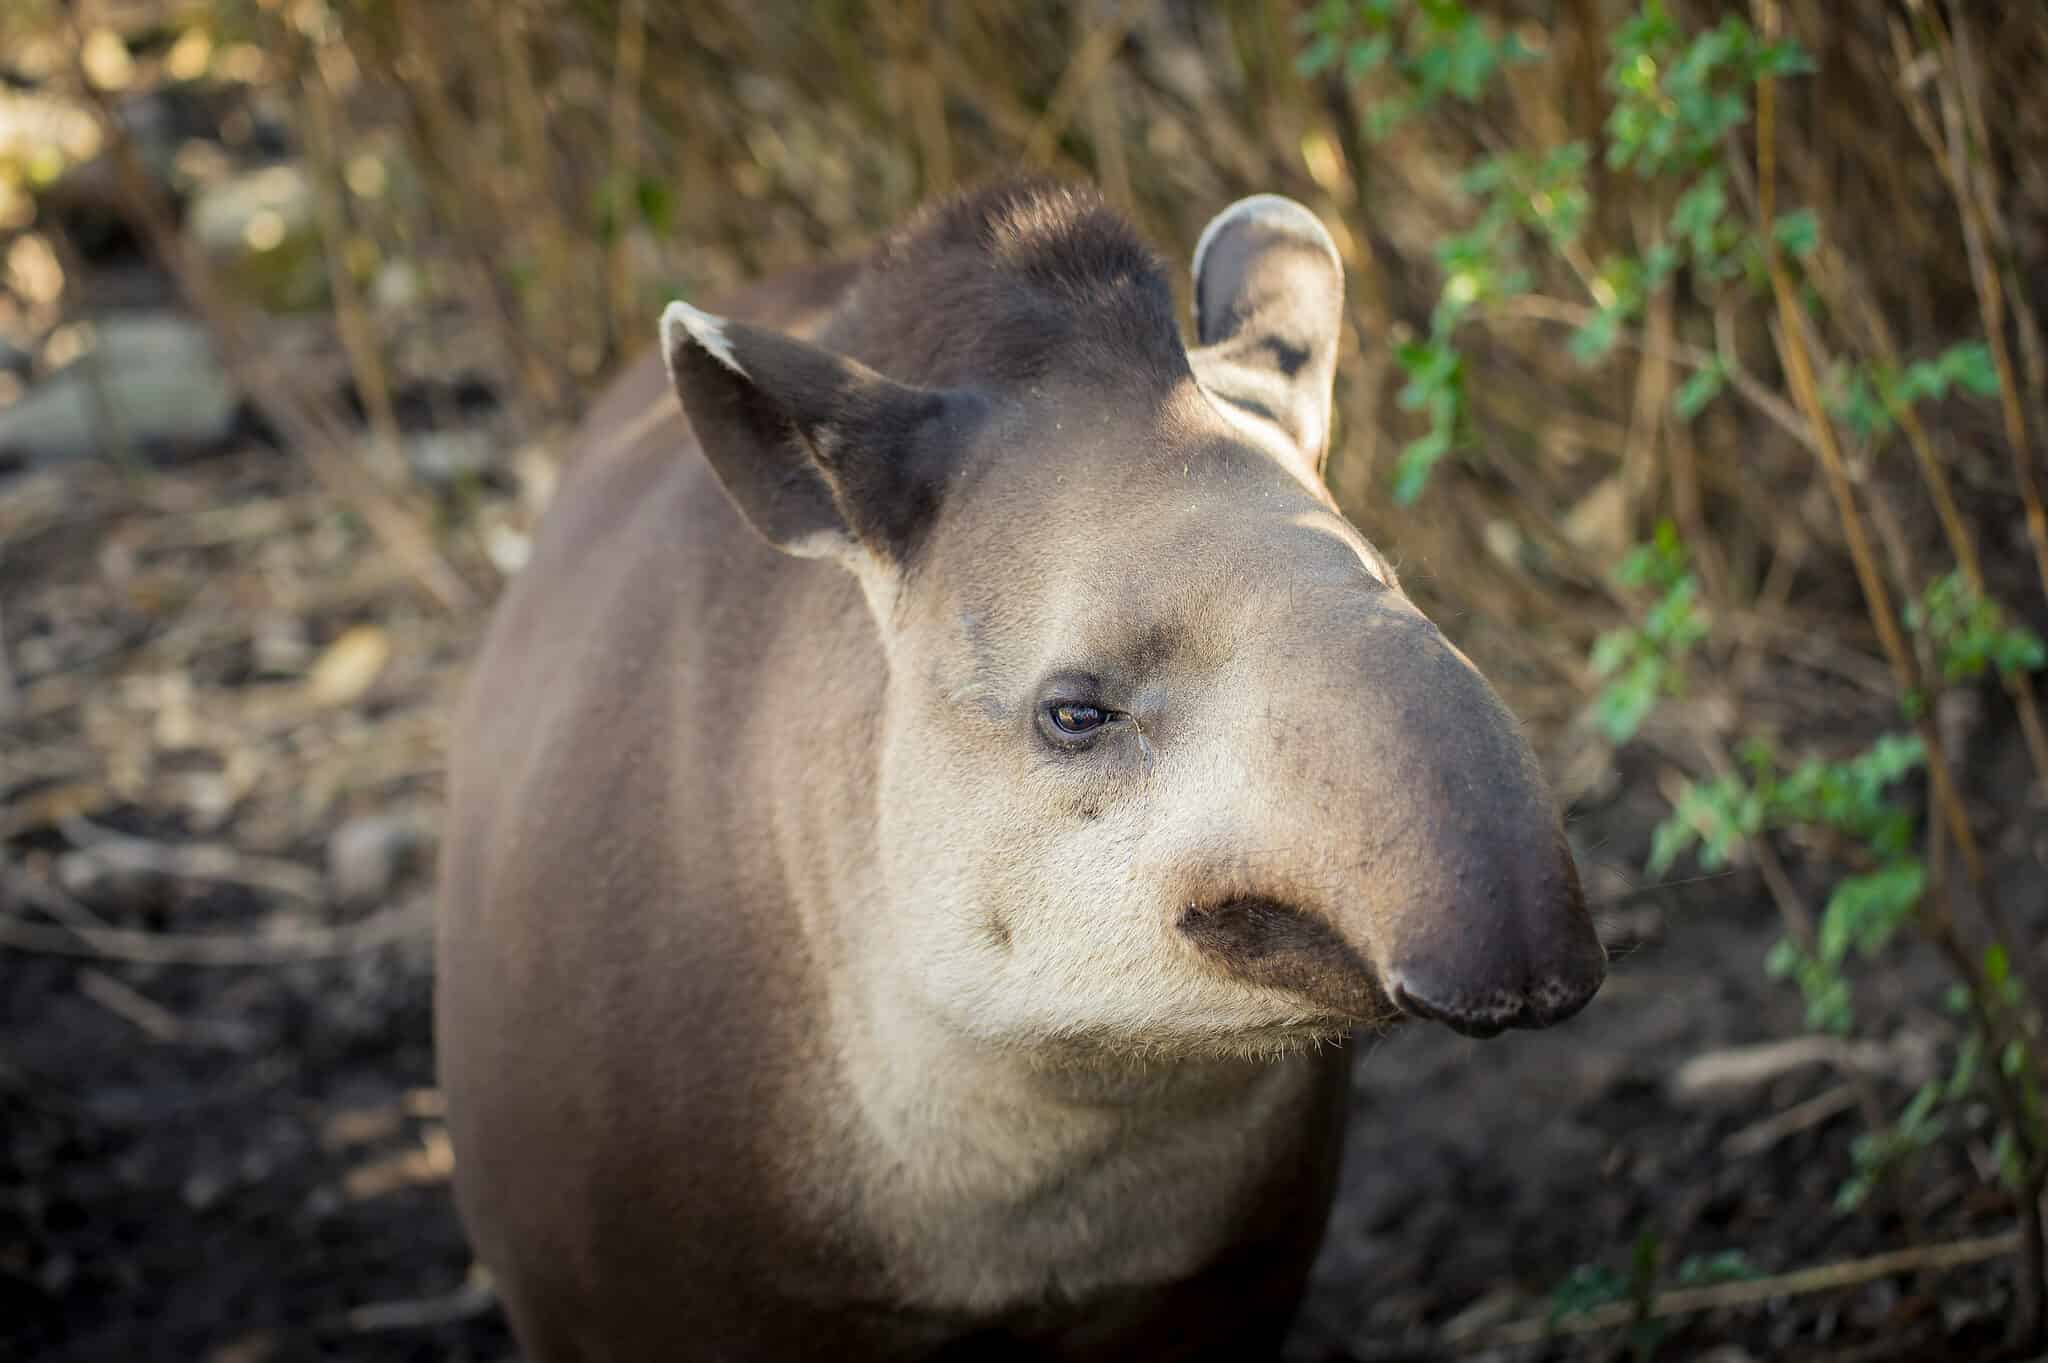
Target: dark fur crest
x,y
1011,284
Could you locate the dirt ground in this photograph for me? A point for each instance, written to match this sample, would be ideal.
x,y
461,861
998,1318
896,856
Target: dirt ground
x,y
219,1136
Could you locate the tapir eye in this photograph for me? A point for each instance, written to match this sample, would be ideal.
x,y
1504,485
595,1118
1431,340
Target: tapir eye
x,y
1070,717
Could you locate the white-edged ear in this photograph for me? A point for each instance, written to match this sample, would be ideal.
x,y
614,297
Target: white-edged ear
x,y
679,320
820,454
1269,307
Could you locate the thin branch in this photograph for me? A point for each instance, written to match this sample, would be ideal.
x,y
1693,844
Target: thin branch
x,y
1687,1301
316,437
215,948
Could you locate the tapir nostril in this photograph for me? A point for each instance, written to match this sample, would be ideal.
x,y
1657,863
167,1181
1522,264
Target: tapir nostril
x,y
1486,1013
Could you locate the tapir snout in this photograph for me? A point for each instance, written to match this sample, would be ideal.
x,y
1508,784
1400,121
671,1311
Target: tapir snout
x,y
1454,895
1475,917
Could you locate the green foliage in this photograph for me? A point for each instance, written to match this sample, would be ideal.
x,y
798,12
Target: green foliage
x,y
1876,1154
1645,663
1970,632
1591,1286
1679,99
646,200
1869,399
1702,388
1545,192
1676,99
1851,799
1430,49
1436,385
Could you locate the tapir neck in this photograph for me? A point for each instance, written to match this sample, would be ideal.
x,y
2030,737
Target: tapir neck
x,y
1003,1172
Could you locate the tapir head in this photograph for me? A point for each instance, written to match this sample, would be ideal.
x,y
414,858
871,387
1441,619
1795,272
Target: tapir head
x,y
1165,761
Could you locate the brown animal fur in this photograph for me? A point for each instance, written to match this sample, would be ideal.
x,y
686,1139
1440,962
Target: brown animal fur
x,y
806,991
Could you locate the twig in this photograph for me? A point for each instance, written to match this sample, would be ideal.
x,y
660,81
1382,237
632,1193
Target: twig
x,y
196,861
351,317
1760,1136
1535,307
1876,596
628,60
1968,180
1105,132
145,1014
10,690
1088,62
317,441
473,1298
214,948
1691,1300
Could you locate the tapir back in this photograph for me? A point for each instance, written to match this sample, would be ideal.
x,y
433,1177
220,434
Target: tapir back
x,y
608,768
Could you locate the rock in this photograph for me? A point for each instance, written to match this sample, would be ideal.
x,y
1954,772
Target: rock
x,y
367,856
349,667
1599,524
396,287
163,391
259,230
443,458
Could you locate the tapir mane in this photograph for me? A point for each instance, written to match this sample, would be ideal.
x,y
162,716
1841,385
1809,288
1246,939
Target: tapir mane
x,y
1011,284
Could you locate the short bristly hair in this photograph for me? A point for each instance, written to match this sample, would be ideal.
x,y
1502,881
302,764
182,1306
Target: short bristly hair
x,y
1009,284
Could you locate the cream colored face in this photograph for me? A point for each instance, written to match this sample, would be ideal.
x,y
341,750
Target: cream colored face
x,y
1103,713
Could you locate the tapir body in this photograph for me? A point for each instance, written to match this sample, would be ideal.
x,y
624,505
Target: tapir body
x,y
943,786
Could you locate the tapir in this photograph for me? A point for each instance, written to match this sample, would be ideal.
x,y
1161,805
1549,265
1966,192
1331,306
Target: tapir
x,y
942,789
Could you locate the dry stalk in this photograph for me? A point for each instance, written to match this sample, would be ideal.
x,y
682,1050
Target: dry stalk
x,y
532,169
318,436
10,689
1536,307
352,318
1938,922
439,142
1836,278
1686,1301
1082,73
928,105
269,947
628,60
1969,180
1105,128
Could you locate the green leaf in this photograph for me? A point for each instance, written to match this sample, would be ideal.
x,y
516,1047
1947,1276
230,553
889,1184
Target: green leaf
x,y
1969,366
1611,650
1367,55
1785,58
1797,233
1865,911
1670,841
1591,342
1418,460
1623,705
1782,960
1319,56
1696,392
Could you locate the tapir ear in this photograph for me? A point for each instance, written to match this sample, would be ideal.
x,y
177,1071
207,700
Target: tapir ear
x,y
822,455
1269,301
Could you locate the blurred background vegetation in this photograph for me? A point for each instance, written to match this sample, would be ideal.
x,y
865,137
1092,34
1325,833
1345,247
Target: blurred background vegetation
x,y
1694,378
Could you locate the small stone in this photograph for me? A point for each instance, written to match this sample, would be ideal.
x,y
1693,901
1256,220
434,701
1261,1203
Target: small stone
x,y
147,380
367,856
442,458
349,667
